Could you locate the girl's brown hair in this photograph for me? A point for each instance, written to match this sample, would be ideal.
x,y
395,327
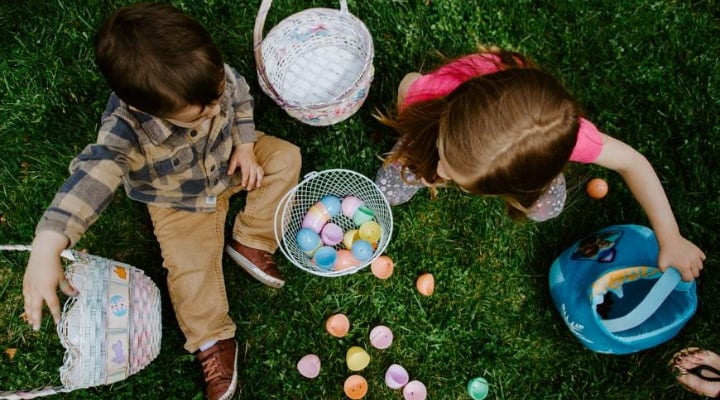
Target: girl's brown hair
x,y
505,134
158,59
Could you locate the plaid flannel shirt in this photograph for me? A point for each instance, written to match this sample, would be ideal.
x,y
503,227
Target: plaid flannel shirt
x,y
157,162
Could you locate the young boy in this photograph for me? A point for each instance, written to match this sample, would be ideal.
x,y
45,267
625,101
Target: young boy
x,y
178,133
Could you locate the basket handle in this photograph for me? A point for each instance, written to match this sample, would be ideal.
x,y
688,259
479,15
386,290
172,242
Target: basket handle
x,y
664,286
258,39
67,253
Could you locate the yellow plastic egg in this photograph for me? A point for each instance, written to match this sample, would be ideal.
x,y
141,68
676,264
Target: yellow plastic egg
x,y
370,231
357,358
355,387
425,284
338,325
350,237
382,267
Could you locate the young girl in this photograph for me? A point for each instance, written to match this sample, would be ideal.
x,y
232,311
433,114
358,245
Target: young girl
x,y
496,125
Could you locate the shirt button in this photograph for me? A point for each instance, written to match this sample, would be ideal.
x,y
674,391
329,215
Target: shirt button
x,y
176,162
212,168
193,133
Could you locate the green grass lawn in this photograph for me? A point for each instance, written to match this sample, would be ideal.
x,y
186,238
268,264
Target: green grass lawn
x,y
646,72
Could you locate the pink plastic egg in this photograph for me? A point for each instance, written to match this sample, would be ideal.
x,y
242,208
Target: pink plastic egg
x,y
309,366
381,337
382,267
316,217
425,284
415,390
396,376
350,204
338,325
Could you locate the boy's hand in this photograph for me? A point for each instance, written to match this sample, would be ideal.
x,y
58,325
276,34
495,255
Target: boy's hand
x,y
683,255
243,156
43,275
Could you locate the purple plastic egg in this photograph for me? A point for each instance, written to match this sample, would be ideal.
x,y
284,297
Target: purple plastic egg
x,y
331,234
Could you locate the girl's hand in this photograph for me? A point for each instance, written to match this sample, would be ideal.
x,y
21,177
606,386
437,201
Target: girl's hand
x,y
243,156
681,254
43,275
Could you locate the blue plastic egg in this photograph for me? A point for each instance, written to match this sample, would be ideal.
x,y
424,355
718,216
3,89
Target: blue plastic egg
x,y
308,241
325,257
362,250
332,203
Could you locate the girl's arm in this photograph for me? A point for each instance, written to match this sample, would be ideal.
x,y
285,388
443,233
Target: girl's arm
x,y
643,182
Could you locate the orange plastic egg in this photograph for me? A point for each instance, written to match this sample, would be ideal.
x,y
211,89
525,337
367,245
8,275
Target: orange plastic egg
x,y
597,188
355,387
345,260
425,284
382,267
338,325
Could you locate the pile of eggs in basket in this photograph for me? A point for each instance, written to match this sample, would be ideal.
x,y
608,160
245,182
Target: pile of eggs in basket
x,y
320,238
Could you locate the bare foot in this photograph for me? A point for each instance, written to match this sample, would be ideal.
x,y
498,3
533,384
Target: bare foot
x,y
698,371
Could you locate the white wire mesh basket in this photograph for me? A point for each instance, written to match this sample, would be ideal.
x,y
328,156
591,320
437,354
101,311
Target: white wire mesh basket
x,y
110,331
340,183
315,64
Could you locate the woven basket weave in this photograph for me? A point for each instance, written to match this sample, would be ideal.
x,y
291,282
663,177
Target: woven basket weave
x,y
110,331
315,64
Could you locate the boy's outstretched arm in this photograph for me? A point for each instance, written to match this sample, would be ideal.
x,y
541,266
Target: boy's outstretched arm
x,y
639,175
43,275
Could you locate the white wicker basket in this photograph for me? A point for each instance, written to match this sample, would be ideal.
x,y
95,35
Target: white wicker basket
x,y
110,331
340,183
315,64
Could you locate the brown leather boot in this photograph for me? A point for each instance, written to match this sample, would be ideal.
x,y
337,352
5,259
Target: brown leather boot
x,y
259,264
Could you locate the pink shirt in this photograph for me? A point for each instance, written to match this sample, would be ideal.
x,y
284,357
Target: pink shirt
x,y
445,79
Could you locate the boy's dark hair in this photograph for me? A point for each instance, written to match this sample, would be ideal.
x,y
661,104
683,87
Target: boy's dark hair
x,y
158,59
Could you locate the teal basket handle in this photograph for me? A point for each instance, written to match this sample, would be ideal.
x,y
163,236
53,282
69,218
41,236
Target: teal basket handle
x,y
647,307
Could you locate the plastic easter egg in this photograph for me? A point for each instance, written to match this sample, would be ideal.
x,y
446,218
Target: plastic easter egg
x,y
308,241
362,250
332,204
345,260
338,325
425,284
316,217
362,215
415,390
381,337
331,234
309,366
597,188
357,358
382,267
355,387
396,376
478,388
325,257
370,231
350,204
350,237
